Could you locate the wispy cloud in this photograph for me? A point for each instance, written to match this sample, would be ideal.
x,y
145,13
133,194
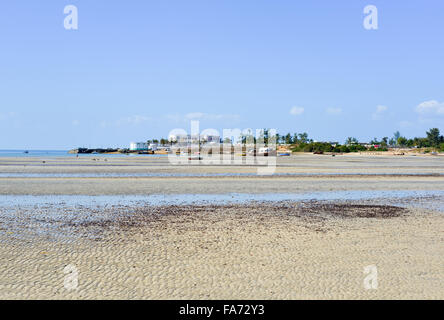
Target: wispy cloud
x,y
296,111
431,107
379,112
333,111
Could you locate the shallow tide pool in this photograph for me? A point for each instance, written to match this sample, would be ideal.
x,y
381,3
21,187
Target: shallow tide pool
x,y
10,201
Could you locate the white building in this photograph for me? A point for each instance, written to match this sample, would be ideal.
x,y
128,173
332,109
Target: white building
x,y
136,146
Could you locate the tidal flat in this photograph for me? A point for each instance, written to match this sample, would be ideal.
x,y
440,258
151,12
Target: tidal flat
x,y
140,228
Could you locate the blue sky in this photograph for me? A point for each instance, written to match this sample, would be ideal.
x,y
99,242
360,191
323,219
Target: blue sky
x,y
137,69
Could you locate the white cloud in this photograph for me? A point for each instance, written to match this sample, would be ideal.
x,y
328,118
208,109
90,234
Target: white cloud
x,y
380,111
333,111
296,111
75,122
431,107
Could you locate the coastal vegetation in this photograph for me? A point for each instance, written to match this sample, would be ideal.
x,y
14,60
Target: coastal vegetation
x,y
300,142
320,147
433,141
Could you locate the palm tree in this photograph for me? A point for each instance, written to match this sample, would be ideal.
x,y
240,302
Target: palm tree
x,y
303,137
351,140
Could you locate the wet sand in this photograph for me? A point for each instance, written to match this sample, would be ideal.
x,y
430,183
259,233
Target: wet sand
x,y
249,250
300,173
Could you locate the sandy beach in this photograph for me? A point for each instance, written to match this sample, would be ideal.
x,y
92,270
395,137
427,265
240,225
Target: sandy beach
x,y
222,150
307,232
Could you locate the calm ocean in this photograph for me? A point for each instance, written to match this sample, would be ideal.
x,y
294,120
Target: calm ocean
x,y
35,153
59,153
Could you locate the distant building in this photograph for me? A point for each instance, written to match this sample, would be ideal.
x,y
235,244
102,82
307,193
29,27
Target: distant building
x,y
137,146
193,139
